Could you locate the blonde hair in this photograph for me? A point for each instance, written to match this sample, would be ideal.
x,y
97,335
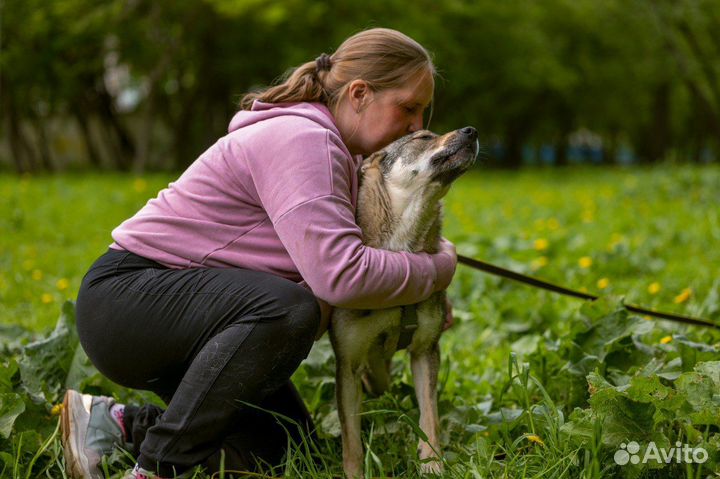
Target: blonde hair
x,y
382,57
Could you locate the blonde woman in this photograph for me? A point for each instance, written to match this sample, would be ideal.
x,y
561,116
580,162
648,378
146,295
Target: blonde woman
x,y
212,294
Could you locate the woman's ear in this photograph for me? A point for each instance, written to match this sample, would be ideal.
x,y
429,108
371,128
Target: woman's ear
x,y
359,94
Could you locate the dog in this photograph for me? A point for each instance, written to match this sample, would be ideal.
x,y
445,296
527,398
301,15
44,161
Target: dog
x,y
399,209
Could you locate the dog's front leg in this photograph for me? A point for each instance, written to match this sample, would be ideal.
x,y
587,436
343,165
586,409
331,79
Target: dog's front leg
x,y
425,366
425,361
349,397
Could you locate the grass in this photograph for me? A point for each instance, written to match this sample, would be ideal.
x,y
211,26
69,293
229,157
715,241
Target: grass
x,y
517,365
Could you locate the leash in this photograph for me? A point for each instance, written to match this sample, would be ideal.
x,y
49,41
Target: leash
x,y
506,273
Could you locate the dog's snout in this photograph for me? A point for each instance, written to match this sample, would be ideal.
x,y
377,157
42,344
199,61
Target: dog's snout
x,y
470,132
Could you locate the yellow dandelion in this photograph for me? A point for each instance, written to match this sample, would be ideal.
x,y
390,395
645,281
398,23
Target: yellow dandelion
x,y
56,410
647,318
588,216
603,283
62,284
666,340
553,224
654,288
535,438
684,296
46,298
541,244
585,262
538,263
37,275
140,185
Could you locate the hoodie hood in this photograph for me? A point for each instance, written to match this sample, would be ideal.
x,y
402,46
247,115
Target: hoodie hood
x,y
260,111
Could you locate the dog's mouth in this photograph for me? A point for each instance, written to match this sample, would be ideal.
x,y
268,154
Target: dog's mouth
x,y
457,156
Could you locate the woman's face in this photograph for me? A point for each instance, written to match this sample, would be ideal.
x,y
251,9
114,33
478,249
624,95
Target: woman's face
x,y
386,115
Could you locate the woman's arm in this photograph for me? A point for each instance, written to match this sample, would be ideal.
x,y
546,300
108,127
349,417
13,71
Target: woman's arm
x,y
304,182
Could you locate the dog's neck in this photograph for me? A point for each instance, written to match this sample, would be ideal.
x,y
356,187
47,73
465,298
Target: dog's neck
x,y
396,220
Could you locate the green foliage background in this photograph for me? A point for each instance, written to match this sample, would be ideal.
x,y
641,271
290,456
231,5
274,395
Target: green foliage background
x,y
141,84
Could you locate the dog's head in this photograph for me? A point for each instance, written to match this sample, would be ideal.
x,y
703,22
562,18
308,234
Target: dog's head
x,y
423,162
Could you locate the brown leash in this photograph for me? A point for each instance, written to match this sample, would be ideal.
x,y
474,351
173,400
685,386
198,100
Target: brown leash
x,y
506,273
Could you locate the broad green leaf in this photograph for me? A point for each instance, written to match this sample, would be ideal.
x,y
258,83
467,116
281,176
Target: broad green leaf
x,y
11,406
45,364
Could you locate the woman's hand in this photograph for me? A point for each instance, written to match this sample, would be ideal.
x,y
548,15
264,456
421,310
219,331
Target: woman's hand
x,y
445,261
448,248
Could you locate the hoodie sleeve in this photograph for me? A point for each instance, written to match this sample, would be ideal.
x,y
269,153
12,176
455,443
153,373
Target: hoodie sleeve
x,y
307,195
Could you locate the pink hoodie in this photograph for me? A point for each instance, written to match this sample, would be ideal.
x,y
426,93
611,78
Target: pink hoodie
x,y
278,194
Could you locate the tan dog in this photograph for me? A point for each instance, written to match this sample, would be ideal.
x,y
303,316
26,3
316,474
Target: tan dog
x,y
399,209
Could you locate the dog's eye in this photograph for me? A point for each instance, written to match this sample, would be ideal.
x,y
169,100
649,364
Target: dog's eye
x,y
424,137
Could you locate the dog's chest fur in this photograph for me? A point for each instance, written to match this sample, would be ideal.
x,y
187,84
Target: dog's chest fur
x,y
394,220
390,221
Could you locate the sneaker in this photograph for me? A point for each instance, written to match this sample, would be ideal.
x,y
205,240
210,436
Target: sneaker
x,y
91,427
140,473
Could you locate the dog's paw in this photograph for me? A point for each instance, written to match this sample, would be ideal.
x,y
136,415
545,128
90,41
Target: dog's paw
x,y
430,459
434,466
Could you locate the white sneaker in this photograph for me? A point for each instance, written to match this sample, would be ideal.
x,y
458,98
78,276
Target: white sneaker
x,y
89,431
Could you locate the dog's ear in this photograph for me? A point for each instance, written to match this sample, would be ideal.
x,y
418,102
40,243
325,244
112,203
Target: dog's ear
x,y
373,161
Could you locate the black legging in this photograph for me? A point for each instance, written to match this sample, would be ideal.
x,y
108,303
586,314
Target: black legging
x,y
206,340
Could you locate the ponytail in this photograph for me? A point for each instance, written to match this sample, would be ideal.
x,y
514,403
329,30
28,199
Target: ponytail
x,y
300,84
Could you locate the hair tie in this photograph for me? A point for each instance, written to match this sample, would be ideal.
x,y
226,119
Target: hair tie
x,y
323,63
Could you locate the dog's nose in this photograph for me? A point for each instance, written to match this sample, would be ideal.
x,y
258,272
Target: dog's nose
x,y
470,132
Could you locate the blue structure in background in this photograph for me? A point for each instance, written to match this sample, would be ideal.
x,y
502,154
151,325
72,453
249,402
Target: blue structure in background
x,y
583,154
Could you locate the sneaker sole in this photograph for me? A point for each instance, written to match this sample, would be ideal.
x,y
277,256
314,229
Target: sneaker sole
x,y
74,424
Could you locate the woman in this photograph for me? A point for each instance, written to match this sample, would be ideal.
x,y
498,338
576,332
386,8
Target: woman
x,y
212,294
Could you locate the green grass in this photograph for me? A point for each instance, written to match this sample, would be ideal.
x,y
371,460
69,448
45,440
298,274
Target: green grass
x,y
53,228
520,364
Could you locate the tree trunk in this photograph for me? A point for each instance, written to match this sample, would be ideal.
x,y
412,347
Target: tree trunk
x,y
90,149
657,140
516,135
610,148
122,148
42,143
142,158
561,149
23,155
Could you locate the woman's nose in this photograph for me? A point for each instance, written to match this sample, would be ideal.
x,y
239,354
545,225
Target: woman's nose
x,y
416,123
